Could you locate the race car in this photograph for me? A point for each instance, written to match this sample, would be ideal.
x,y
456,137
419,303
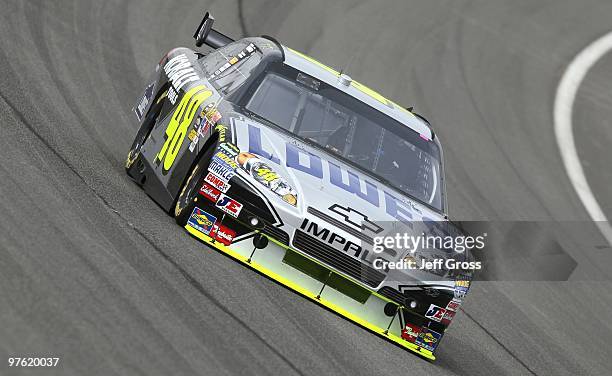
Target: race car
x,y
298,171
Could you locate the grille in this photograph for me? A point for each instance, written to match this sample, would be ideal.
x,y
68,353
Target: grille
x,y
276,233
393,294
356,233
336,259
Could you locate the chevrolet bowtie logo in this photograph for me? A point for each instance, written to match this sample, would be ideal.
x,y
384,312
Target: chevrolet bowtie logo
x,y
355,218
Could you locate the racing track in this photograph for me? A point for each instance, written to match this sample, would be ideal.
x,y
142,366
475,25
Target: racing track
x,y
94,272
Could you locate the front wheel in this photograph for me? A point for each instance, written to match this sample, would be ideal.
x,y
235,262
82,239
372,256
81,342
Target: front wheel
x,y
186,199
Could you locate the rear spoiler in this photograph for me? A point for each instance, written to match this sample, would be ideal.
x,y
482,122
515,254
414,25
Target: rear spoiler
x,y
205,34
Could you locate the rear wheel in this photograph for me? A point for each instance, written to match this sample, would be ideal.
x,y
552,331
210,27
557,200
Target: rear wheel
x,y
186,199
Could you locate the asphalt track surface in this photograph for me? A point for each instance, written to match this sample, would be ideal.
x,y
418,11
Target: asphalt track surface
x,y
92,271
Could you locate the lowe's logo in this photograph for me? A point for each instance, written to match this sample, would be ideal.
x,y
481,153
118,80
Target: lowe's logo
x,y
312,164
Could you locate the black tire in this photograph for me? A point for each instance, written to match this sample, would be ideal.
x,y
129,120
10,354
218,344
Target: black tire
x,y
185,202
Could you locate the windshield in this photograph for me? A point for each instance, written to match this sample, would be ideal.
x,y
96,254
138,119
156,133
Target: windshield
x,y
351,129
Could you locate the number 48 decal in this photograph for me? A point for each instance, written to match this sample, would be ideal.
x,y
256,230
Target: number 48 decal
x,y
179,124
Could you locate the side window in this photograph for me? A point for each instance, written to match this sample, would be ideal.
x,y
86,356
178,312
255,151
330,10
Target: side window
x,y
228,67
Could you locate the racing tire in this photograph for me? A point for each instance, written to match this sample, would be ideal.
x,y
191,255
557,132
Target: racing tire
x,y
186,200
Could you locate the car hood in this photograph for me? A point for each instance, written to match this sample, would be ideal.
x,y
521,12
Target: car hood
x,y
321,181
334,198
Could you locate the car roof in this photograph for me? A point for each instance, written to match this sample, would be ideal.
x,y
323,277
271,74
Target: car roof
x,y
357,90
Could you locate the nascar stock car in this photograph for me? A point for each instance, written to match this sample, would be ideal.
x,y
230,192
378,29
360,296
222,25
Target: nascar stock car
x,y
293,168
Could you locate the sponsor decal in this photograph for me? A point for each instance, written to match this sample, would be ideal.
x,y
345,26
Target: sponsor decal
x,y
143,102
245,53
226,159
200,120
179,123
180,72
210,192
411,332
201,127
448,317
208,116
302,160
229,205
461,287
453,305
222,131
217,182
201,221
435,313
223,234
333,239
229,149
172,95
192,135
220,169
193,145
215,117
264,175
428,339
212,114
356,218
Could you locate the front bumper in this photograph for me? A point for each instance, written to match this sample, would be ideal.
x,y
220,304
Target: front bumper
x,y
335,292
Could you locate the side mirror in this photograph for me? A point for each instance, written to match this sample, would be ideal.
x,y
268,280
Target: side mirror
x,y
204,29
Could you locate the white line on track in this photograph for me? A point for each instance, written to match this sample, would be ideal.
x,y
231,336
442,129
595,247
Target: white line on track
x,y
564,103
